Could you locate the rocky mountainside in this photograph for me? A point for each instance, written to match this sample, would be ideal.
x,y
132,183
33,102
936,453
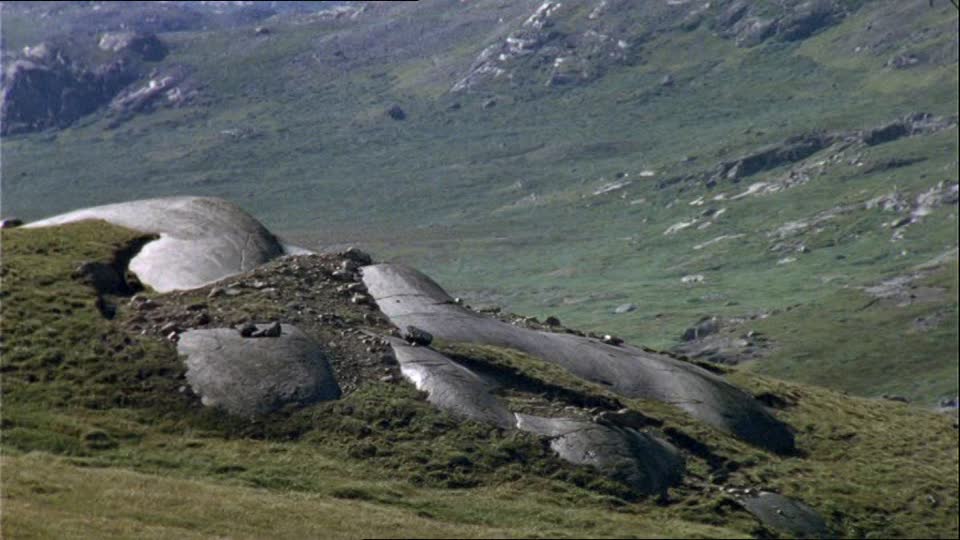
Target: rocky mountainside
x,y
373,365
752,163
767,189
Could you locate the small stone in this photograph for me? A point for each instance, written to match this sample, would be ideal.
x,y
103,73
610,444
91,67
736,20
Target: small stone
x,y
170,327
357,255
232,291
248,329
360,299
612,340
274,330
349,265
552,321
387,378
10,222
894,397
357,287
173,336
147,305
215,292
182,389
416,336
342,275
900,222
625,308
396,113
261,31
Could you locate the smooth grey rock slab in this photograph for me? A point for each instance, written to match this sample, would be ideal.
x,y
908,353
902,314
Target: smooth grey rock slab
x,y
202,239
250,376
786,515
647,463
450,386
407,297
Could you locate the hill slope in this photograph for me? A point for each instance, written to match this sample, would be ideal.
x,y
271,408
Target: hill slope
x,y
732,162
97,405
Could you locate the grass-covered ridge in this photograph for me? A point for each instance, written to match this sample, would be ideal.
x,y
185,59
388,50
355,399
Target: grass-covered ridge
x,y
99,439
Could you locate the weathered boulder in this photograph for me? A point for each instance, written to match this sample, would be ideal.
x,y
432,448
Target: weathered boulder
x,y
703,328
917,123
396,113
36,96
416,336
10,223
408,297
750,23
145,45
167,87
247,377
202,239
46,89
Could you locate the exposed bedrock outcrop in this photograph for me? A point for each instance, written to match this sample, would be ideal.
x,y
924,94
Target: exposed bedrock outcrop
x,y
450,386
248,376
201,239
46,89
642,460
786,515
410,298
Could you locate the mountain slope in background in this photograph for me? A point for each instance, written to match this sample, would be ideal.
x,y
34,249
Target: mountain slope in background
x,y
776,181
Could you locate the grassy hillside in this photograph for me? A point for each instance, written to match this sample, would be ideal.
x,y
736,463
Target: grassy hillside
x,y
100,439
499,202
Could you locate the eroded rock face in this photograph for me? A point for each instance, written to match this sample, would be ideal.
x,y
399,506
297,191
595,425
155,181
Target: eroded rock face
x,y
147,46
46,89
643,461
167,87
786,515
408,297
247,376
202,239
451,386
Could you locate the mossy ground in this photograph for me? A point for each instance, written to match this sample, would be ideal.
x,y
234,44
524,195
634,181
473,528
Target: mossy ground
x,y
99,440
